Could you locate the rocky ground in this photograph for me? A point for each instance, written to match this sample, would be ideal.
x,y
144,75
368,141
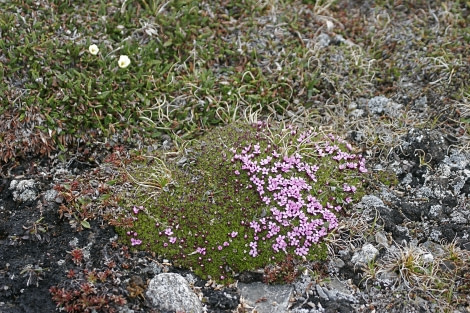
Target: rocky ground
x,y
383,82
404,247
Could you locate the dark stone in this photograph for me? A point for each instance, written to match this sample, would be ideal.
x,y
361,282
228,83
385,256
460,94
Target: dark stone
x,y
222,301
412,212
429,145
338,306
466,187
447,232
389,218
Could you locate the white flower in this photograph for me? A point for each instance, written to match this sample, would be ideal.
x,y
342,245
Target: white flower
x,y
93,49
124,61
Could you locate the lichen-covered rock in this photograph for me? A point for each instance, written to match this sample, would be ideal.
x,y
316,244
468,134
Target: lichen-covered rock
x,y
383,106
365,255
23,190
169,291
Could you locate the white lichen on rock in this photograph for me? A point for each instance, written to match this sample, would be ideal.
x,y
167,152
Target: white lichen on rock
x,y
23,190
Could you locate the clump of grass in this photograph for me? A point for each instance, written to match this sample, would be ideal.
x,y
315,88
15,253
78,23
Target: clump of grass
x,y
247,196
416,272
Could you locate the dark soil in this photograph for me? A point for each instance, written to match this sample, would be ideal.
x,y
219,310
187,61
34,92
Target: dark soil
x,y
36,249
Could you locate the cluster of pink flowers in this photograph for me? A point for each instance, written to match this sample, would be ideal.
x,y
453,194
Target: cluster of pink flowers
x,y
298,219
134,241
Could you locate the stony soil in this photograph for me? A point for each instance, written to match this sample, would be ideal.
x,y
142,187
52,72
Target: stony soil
x,y
427,208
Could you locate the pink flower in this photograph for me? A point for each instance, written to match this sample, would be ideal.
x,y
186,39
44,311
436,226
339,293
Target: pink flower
x,y
135,242
256,149
301,251
201,250
253,251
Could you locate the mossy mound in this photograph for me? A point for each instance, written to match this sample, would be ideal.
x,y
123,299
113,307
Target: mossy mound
x,y
245,197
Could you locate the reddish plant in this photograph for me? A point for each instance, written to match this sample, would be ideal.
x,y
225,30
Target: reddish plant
x,y
283,272
77,256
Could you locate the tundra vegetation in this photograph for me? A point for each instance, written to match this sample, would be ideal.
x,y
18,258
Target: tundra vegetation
x,y
236,134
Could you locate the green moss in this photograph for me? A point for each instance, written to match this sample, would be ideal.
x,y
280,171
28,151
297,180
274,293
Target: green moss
x,y
209,206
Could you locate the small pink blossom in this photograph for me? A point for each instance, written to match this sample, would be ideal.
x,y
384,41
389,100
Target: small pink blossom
x,y
201,250
135,242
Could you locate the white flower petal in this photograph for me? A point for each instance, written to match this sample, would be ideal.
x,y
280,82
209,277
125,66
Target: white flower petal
x,y
124,61
93,49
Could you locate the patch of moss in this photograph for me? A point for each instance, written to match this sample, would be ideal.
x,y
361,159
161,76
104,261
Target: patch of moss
x,y
213,217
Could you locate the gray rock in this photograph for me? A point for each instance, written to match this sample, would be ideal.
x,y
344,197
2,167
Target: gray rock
x,y
321,293
357,113
382,239
387,278
369,201
169,291
50,195
422,102
337,263
338,290
457,160
266,298
323,40
435,210
368,253
302,284
383,105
